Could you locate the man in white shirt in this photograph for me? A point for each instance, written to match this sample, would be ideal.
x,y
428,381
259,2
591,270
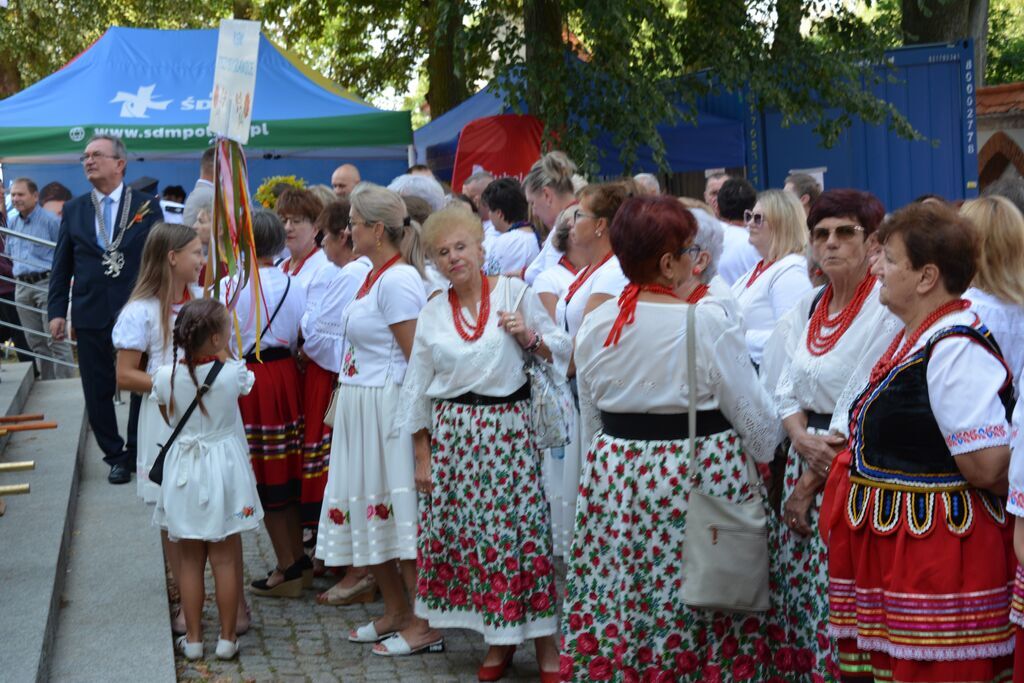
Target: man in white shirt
x,y
473,188
712,185
805,187
734,197
202,193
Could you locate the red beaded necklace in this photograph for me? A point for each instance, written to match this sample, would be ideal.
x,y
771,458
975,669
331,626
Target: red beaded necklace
x,y
461,323
820,342
697,294
567,264
584,276
372,278
890,359
758,269
287,265
627,307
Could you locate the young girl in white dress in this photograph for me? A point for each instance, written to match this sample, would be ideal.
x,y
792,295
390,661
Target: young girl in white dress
x,y
171,262
209,493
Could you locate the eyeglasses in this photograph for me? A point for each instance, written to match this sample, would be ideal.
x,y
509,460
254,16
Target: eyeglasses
x,y
577,214
693,251
820,234
751,218
96,155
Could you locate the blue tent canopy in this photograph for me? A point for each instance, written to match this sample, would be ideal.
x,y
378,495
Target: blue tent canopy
x,y
153,88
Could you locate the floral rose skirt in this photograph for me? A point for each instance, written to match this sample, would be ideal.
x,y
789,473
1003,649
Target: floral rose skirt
x,y
623,618
799,584
484,545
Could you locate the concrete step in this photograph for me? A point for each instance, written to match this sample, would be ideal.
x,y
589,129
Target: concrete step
x,y
35,531
114,624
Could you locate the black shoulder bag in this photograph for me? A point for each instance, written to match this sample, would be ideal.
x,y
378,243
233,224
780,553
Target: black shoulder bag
x,y
277,309
156,473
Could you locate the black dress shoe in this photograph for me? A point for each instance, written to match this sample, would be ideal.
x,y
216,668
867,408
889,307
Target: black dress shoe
x,y
119,474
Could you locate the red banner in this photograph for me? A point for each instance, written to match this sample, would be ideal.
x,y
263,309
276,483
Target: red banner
x,y
504,145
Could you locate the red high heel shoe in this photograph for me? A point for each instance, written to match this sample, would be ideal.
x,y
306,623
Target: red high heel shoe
x,y
497,671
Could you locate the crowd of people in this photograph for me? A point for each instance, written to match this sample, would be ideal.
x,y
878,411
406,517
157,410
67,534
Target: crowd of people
x,y
784,452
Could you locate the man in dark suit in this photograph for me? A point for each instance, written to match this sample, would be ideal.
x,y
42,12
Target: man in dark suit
x,y
100,245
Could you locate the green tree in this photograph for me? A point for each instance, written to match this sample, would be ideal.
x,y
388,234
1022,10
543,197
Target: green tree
x,y
40,36
1006,42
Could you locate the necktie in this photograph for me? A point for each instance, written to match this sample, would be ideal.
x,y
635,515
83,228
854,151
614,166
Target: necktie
x,y
108,217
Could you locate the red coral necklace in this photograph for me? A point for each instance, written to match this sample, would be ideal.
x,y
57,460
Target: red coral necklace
x,y
890,359
820,342
372,278
461,323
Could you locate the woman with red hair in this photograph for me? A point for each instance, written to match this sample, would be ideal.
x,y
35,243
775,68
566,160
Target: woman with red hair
x,y
624,616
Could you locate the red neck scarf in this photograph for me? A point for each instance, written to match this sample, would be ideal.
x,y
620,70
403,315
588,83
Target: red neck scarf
x,y
627,307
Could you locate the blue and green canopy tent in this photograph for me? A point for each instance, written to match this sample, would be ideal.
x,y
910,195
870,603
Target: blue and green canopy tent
x,y
153,87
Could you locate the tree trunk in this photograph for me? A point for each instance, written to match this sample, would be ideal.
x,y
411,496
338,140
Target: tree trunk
x,y
944,21
10,76
934,21
445,74
787,31
545,58
978,29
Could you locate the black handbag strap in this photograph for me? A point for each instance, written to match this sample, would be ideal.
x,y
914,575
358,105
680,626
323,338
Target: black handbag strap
x,y
205,387
277,309
817,299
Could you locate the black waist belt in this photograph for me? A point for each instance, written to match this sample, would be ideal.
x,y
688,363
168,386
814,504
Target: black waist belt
x,y
818,420
32,278
471,399
271,354
653,427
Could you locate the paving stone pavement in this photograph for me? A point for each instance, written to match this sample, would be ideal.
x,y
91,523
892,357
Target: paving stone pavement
x,y
296,640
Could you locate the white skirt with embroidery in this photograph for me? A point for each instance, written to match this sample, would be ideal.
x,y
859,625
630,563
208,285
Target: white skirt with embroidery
x,y
209,489
369,513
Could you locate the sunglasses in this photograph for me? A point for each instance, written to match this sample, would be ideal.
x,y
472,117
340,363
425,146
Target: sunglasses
x,y
821,234
751,218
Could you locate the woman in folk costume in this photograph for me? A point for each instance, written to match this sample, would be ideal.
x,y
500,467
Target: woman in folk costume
x,y
624,616
842,322
369,515
919,547
485,558
272,411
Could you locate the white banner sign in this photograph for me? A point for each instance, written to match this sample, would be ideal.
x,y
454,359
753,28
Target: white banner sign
x,y
234,80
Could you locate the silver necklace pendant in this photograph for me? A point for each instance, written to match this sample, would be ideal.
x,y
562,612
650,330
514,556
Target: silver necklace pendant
x,y
114,261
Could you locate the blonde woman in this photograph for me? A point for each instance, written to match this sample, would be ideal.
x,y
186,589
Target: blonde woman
x,y
765,293
550,188
485,557
997,292
369,513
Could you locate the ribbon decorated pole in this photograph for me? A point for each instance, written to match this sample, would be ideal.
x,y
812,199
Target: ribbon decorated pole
x,y
233,247
232,260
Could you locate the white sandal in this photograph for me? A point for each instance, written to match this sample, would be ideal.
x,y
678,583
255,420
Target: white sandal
x,y
367,633
227,649
191,651
396,646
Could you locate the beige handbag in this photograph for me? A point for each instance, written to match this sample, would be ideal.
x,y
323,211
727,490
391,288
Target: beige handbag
x,y
725,551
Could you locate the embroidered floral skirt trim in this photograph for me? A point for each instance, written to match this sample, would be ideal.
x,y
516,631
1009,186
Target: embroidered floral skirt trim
x,y
484,543
623,617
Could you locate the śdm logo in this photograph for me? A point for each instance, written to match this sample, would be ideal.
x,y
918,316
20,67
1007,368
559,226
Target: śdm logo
x,y
135,106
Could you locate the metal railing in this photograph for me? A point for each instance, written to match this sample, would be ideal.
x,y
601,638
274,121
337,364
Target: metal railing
x,y
3,278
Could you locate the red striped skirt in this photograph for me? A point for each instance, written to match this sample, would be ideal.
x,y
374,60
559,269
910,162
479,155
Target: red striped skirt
x,y
272,414
318,385
919,583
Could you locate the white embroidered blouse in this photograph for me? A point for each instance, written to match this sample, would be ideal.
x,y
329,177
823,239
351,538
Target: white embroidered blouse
x,y
321,325
443,365
769,298
646,372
